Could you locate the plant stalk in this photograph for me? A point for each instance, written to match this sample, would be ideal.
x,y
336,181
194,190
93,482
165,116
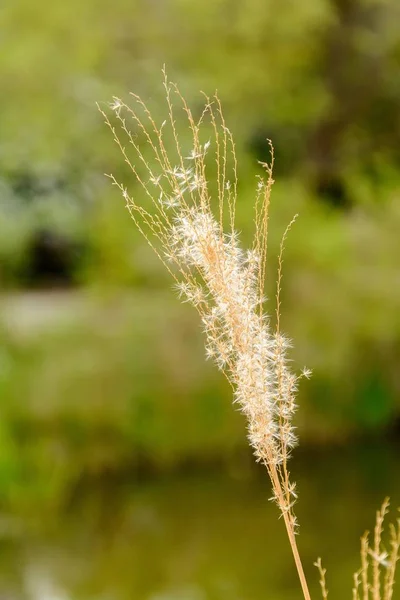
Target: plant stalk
x,y
296,556
291,534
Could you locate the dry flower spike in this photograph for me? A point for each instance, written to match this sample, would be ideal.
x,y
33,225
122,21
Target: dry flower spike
x,y
191,228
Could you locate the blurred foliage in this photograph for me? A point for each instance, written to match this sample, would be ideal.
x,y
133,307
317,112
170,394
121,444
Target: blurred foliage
x,y
93,385
176,538
319,77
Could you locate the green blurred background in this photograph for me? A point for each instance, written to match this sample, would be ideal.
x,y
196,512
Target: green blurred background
x,y
124,470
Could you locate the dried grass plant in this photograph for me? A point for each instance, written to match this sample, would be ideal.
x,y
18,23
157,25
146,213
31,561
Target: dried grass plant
x,y
191,228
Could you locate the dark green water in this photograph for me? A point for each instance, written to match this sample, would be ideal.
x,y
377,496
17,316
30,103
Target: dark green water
x,y
200,536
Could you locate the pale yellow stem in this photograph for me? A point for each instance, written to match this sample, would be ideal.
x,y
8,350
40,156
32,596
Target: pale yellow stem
x,y
290,532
